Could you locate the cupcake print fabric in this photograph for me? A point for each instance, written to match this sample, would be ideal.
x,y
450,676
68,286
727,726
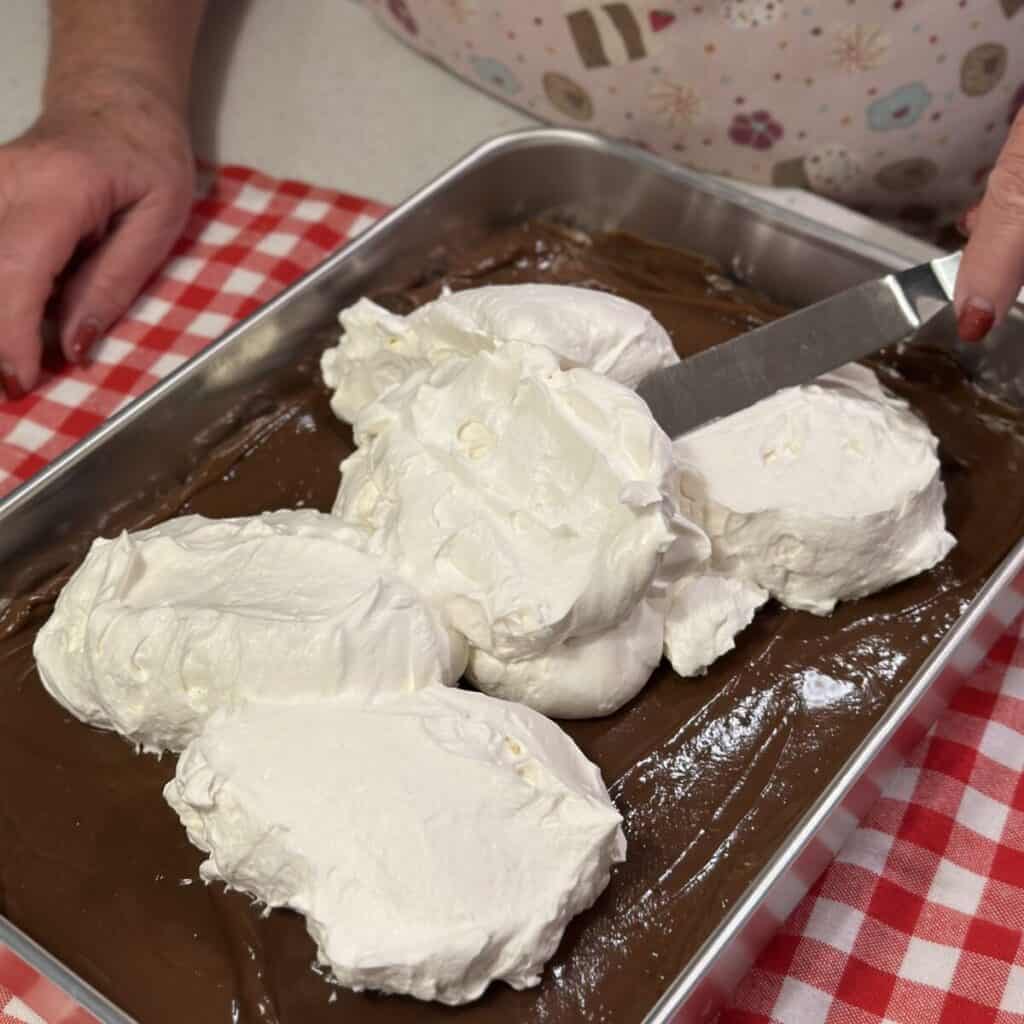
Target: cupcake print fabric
x,y
895,107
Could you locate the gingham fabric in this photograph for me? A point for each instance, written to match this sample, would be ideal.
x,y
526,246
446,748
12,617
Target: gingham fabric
x,y
28,998
918,920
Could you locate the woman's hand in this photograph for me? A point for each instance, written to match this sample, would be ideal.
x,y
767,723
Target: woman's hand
x,y
105,175
992,270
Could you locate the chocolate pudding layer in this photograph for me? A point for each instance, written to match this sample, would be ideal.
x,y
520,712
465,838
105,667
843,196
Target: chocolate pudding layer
x,y
709,774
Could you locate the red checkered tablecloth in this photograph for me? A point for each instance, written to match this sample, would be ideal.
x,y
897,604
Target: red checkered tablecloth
x,y
28,998
918,920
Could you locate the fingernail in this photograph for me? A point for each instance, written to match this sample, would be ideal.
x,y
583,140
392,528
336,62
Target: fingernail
x,y
976,319
963,224
84,339
11,384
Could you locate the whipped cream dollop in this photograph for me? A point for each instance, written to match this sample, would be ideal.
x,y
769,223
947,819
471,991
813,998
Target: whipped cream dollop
x,y
704,616
582,326
533,504
582,678
158,629
377,350
435,841
820,493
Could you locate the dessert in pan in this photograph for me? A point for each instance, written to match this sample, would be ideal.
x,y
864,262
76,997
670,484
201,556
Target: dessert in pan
x,y
508,515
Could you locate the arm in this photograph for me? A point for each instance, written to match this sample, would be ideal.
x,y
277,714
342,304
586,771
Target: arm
x,y
104,175
152,40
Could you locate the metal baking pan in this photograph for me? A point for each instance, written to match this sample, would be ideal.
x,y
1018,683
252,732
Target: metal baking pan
x,y
601,185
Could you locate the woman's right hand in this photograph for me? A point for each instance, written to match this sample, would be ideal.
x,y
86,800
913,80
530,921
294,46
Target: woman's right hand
x,y
105,175
992,269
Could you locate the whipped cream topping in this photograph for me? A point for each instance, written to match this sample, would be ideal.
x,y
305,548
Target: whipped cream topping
x,y
457,859
705,615
820,493
582,326
377,350
532,504
583,678
158,629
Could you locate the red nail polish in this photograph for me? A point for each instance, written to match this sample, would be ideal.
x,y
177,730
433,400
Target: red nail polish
x,y
976,319
963,224
12,386
84,339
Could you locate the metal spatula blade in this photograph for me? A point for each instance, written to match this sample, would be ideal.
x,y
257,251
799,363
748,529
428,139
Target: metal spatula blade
x,y
800,347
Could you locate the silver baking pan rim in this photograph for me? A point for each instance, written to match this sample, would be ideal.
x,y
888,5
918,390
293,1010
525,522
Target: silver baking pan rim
x,y
699,988
389,222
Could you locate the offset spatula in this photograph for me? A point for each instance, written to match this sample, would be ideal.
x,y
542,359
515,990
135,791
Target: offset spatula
x,y
804,345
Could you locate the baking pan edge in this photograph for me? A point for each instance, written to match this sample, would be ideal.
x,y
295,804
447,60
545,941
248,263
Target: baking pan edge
x,y
698,990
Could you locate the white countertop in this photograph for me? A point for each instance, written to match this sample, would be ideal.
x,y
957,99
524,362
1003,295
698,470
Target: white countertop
x,y
316,90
